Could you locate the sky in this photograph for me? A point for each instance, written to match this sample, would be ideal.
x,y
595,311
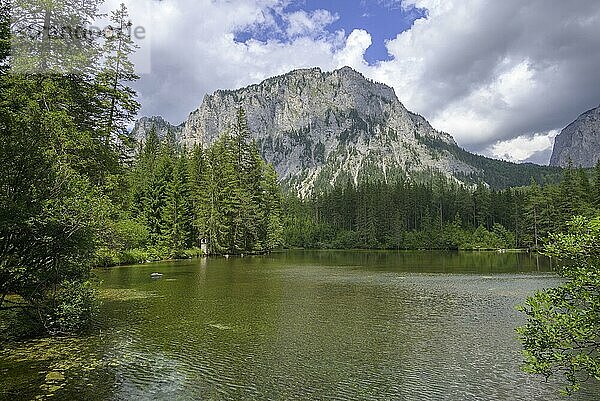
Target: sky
x,y
502,77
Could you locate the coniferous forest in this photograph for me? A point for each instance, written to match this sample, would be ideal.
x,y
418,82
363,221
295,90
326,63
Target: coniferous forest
x,y
441,215
225,196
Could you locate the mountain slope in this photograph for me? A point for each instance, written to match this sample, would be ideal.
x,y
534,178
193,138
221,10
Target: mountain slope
x,y
320,129
163,128
579,141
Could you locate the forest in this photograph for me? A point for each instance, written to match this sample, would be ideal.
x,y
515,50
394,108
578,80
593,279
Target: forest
x,y
78,192
440,214
176,198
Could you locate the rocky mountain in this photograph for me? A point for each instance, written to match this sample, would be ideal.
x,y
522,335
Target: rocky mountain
x,y
144,125
579,141
320,129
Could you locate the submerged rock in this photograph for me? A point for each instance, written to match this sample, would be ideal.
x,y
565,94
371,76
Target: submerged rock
x,y
55,376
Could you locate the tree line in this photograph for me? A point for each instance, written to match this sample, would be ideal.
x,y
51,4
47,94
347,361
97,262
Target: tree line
x,y
225,196
440,214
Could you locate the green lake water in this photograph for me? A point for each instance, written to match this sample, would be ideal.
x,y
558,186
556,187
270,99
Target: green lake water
x,y
299,325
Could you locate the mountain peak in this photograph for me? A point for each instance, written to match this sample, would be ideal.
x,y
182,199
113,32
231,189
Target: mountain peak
x,y
579,142
162,127
349,71
322,128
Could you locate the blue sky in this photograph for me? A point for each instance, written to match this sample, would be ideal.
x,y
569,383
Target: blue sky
x,y
383,19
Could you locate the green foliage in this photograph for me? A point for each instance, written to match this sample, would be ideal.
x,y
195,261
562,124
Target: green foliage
x,y
436,214
59,173
225,194
404,215
497,173
71,309
562,334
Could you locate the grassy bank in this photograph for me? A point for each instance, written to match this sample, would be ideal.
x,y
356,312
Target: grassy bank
x,y
107,258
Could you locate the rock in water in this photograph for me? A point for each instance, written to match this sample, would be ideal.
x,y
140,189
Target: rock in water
x,y
55,376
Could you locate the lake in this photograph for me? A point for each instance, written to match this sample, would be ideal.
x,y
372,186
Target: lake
x,y
298,325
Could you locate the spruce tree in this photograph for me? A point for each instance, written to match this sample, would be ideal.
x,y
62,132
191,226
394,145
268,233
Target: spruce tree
x,y
583,193
141,172
568,202
196,170
272,219
533,211
597,185
117,72
177,212
210,208
155,196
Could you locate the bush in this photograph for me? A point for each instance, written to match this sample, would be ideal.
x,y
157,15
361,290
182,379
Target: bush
x,y
130,234
133,256
106,257
70,309
345,240
562,334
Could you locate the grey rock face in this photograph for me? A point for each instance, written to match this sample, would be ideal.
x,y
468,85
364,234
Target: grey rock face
x,y
322,128
144,126
579,141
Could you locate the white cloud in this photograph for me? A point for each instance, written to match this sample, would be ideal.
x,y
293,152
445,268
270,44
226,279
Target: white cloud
x,y
523,147
477,115
353,52
309,23
486,71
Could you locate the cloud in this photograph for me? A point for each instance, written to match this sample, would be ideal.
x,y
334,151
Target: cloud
x,y
302,23
488,72
535,148
353,53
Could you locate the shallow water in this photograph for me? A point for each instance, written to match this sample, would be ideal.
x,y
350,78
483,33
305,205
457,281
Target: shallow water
x,y
323,325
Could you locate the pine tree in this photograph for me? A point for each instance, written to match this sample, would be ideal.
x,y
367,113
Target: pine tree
x,y
583,193
196,170
117,72
155,197
142,170
177,212
218,179
568,202
533,211
597,185
272,219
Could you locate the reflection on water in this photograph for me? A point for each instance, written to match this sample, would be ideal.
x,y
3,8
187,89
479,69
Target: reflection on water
x,y
298,325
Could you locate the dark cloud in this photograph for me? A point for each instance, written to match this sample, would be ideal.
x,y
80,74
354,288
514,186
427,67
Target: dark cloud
x,y
469,51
